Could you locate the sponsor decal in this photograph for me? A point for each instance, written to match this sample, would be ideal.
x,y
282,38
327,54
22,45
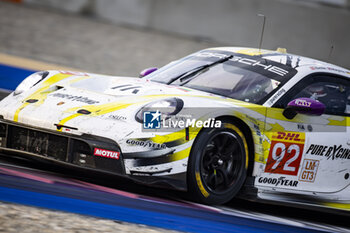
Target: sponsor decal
x,y
318,68
252,119
309,170
76,73
328,68
281,181
259,64
75,98
106,153
302,103
257,130
255,63
337,70
117,117
309,127
210,54
148,144
289,137
301,127
330,152
285,153
128,87
277,95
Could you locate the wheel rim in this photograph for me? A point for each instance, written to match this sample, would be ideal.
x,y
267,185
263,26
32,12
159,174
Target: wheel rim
x,y
221,162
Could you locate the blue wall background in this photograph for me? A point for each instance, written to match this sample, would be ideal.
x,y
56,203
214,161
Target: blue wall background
x,y
11,76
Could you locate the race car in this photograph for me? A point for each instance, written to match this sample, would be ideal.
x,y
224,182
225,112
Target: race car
x,y
219,123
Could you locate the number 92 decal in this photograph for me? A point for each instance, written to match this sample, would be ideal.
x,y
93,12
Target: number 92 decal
x,y
285,156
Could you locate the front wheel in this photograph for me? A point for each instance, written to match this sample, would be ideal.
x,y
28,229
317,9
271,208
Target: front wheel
x,y
217,166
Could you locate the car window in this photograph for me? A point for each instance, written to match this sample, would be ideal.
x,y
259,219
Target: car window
x,y
234,82
191,62
333,92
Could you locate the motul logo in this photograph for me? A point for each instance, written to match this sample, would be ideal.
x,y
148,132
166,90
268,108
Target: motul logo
x,y
106,153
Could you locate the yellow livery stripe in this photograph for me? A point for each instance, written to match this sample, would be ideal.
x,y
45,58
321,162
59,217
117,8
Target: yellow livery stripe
x,y
19,110
254,52
343,206
95,111
200,185
231,126
41,93
179,135
181,154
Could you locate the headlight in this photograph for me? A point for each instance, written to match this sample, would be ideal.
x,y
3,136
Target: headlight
x,y
30,82
167,107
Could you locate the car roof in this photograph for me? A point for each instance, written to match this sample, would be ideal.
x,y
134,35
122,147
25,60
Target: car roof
x,y
280,55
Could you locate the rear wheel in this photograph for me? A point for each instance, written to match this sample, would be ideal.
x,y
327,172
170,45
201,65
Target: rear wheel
x,y
217,166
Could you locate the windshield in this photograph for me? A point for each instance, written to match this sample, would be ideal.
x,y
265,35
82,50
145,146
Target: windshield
x,y
176,69
241,77
233,82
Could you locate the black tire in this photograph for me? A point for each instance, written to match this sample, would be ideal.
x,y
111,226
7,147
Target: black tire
x,y
218,163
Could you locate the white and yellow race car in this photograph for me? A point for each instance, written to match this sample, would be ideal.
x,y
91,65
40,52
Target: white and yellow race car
x,y
263,124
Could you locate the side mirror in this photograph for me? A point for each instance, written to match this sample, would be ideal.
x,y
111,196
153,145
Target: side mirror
x,y
147,71
304,106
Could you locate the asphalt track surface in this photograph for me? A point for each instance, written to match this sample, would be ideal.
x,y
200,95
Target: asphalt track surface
x,y
43,185
100,195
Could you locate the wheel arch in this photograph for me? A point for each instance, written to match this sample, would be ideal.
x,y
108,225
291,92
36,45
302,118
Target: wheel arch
x,y
197,188
243,126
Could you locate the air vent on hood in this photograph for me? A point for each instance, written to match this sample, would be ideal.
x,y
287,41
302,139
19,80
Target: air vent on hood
x,y
84,111
63,126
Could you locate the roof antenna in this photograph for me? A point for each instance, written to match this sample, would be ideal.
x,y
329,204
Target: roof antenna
x,y
262,31
330,53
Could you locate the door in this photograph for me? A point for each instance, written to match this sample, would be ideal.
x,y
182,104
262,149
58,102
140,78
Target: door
x,y
308,152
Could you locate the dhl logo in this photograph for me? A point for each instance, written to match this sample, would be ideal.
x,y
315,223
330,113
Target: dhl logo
x,y
290,137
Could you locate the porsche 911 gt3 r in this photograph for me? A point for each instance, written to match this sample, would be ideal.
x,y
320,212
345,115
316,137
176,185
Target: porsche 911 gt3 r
x,y
217,123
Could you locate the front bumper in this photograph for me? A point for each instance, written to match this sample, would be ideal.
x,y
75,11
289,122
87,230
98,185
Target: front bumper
x,y
59,147
78,151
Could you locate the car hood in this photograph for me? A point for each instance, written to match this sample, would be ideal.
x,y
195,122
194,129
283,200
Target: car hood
x,y
128,86
97,102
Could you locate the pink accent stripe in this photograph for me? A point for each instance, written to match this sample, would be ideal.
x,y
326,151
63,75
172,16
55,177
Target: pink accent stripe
x,y
52,179
25,175
109,190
